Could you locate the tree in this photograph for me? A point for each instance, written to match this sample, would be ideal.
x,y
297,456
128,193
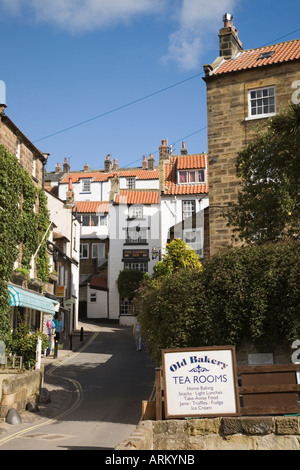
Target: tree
x,y
251,292
178,256
268,205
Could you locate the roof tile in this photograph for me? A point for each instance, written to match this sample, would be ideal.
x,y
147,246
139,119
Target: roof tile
x,y
249,59
101,176
185,162
92,207
137,197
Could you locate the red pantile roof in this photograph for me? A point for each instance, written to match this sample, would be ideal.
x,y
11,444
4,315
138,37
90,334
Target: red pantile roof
x,y
100,176
75,177
91,207
137,197
98,283
185,162
249,59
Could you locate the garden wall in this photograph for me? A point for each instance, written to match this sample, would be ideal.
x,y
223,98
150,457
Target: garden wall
x,y
236,433
17,389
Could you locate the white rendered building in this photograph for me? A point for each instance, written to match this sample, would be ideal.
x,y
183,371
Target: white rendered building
x,y
127,218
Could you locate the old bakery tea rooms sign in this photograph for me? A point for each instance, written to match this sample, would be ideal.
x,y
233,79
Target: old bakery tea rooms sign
x,y
200,382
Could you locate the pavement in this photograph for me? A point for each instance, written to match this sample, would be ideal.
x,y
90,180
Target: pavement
x,y
60,391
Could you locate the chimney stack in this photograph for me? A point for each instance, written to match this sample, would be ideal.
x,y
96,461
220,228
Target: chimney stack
x,y
145,163
151,163
86,167
183,149
58,168
228,38
66,166
70,194
115,165
107,164
164,150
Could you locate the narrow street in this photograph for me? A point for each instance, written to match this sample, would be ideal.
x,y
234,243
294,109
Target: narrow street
x,y
98,397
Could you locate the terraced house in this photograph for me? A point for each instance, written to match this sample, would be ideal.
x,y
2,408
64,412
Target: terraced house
x,y
128,215
244,89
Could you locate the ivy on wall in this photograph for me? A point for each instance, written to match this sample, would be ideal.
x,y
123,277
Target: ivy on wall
x,y
20,223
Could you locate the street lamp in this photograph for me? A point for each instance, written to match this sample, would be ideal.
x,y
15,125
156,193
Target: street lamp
x,y
155,253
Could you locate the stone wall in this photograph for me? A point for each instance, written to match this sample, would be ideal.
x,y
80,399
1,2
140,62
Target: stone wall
x,y
229,131
236,433
17,389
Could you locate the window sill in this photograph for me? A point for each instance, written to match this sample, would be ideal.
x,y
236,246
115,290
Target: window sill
x,y
260,116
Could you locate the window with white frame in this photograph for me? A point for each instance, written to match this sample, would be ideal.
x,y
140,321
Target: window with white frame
x,y
34,167
98,250
126,306
86,185
130,183
84,250
261,102
137,235
191,176
18,149
188,209
93,220
130,266
135,211
194,239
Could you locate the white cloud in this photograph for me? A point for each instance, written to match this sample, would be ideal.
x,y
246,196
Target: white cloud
x,y
193,21
82,15
197,19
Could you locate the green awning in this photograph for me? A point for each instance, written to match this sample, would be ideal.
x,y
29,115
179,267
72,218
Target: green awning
x,y
24,298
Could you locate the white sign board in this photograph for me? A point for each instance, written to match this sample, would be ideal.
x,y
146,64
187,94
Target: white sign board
x,y
200,382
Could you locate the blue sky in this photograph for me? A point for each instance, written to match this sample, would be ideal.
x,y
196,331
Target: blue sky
x,y
87,78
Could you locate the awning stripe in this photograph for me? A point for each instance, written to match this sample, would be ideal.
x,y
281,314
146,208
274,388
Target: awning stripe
x,y
23,298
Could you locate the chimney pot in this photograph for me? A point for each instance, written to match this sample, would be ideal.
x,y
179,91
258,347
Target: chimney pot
x,y
145,163
107,164
151,163
66,166
86,167
58,168
183,149
164,150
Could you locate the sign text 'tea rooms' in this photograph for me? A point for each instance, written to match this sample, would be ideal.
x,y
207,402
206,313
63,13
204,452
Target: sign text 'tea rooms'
x,y
200,382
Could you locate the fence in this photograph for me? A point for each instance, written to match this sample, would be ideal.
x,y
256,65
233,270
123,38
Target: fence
x,y
263,390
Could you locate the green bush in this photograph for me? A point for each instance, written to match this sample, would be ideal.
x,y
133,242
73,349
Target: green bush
x,y
23,343
252,292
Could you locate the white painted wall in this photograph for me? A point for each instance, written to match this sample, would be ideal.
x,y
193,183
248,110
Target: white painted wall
x,y
96,303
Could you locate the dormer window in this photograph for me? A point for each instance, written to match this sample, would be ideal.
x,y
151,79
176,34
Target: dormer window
x,y
191,176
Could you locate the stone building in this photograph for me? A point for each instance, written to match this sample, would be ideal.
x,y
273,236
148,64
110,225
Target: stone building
x,y
26,295
244,89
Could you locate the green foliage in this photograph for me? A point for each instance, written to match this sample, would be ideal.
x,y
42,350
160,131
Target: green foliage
x,y
251,292
19,224
128,282
23,343
178,256
268,204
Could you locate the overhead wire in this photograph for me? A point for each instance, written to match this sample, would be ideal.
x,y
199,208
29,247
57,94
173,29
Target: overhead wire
x,y
118,108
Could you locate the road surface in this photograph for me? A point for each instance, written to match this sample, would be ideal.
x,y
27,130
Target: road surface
x,y
100,402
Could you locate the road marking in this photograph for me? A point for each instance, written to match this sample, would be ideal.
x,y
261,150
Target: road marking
x,y
78,389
